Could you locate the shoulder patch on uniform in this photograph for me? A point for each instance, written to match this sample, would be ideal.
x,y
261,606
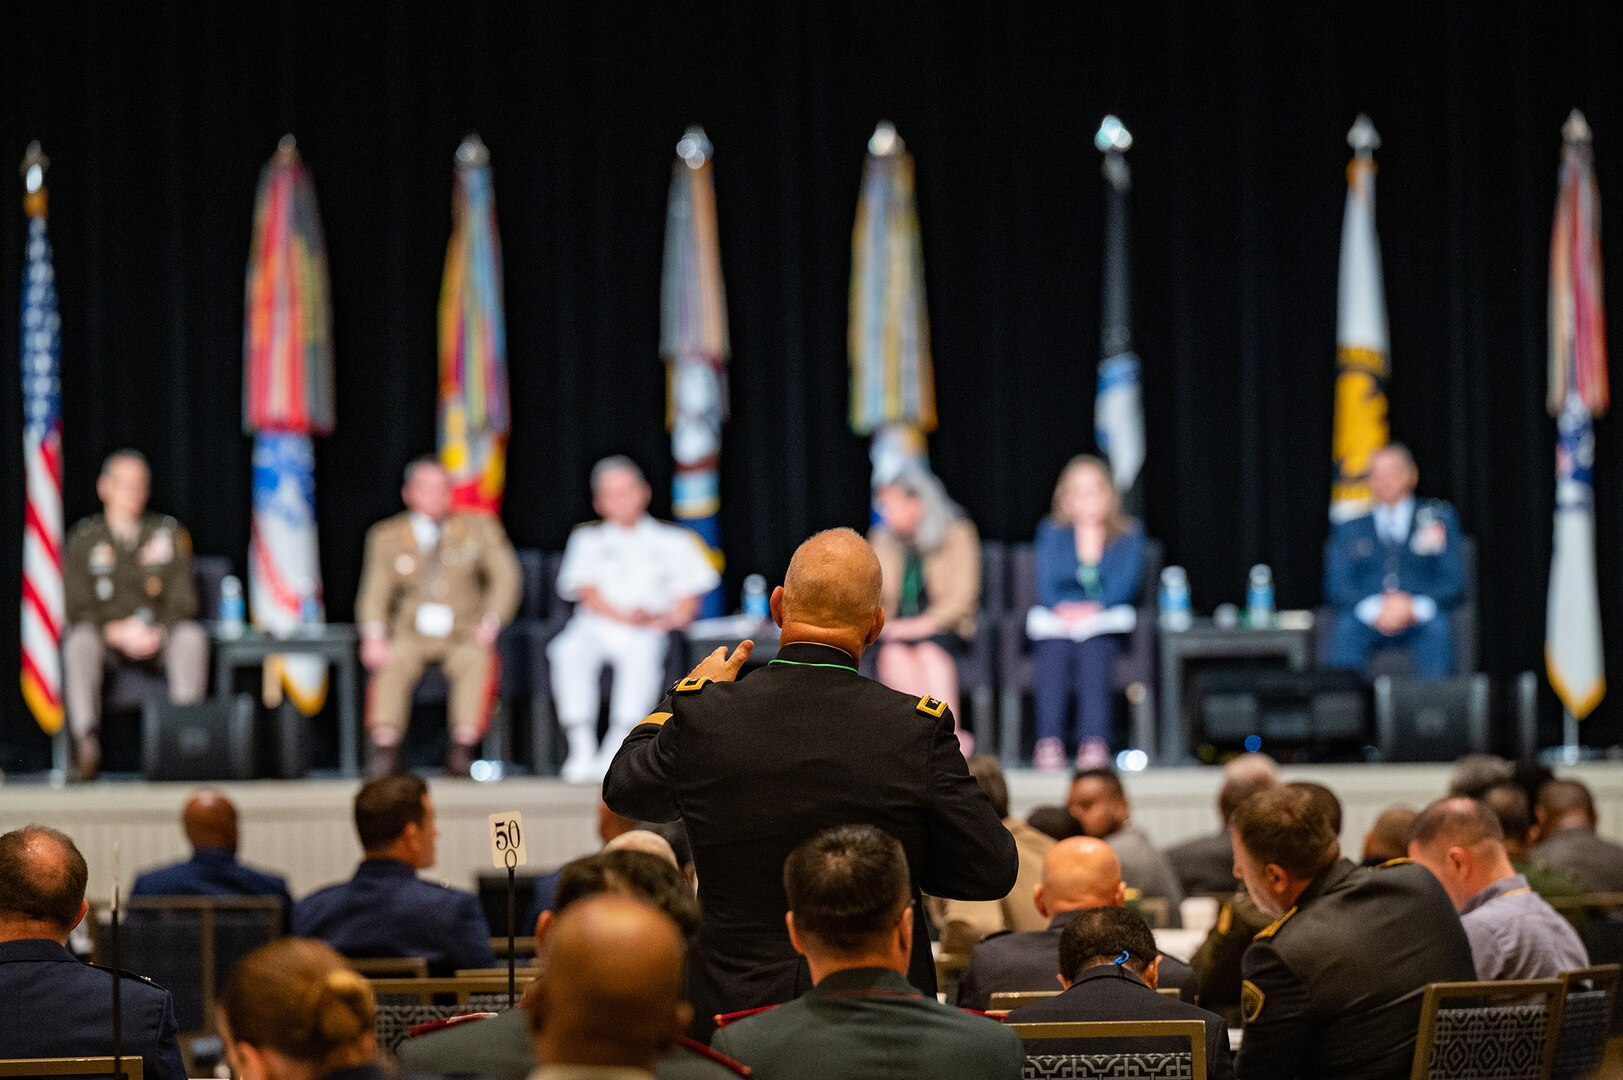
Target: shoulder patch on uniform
x,y
1402,860
930,706
691,685
1273,928
1251,1000
656,718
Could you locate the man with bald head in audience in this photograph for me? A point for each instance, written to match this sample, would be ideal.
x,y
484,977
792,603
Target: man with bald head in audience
x,y
609,1004
1514,932
1079,874
210,821
756,766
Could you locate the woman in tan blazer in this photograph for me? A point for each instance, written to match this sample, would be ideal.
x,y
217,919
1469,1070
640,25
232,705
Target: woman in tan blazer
x,y
930,558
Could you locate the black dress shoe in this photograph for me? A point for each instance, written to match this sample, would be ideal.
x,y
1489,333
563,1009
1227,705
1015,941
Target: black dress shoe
x,y
458,760
382,761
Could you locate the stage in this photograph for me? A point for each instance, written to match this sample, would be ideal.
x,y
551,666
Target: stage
x,y
303,828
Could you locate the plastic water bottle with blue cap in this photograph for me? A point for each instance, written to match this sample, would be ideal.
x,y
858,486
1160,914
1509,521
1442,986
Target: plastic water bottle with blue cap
x,y
1175,614
1259,597
755,601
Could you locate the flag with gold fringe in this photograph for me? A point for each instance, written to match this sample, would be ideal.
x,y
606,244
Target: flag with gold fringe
x,y
694,344
1362,364
1578,393
474,418
287,398
892,377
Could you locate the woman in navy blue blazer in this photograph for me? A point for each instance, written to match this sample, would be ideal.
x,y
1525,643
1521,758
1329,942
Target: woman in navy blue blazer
x,y
1090,557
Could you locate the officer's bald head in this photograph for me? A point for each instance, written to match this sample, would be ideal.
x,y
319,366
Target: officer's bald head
x,y
42,884
611,991
210,820
1079,873
832,585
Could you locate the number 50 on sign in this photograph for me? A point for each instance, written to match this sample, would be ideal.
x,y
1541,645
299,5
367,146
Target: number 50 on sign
x,y
507,840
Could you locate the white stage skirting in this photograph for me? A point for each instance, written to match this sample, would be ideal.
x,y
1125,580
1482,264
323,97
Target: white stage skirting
x,y
303,829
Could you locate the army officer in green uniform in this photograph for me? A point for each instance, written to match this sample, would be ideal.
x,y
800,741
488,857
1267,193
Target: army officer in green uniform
x,y
130,600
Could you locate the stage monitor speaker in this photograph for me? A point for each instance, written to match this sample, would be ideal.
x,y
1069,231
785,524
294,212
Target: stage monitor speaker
x,y
1282,707
211,740
1431,719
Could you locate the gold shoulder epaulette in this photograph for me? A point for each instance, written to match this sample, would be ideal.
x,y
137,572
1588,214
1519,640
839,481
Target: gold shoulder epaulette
x,y
691,686
1273,928
655,718
930,706
1401,860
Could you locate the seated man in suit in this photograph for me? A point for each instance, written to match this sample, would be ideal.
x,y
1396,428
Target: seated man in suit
x,y
1568,841
127,576
851,916
1395,573
210,821
1079,874
386,909
970,921
1109,968
56,1006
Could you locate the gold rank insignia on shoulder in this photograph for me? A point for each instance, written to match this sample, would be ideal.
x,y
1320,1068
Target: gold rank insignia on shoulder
x,y
1273,928
690,685
930,706
1251,999
1402,860
656,718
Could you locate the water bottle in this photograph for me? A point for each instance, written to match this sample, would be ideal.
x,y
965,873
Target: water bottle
x,y
755,602
233,611
1259,597
1175,613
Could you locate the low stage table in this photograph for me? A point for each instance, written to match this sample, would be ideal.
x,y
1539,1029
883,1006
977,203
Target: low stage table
x,y
333,642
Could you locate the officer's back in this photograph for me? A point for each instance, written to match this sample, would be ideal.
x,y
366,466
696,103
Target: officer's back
x,y
1333,986
754,767
386,910
56,1006
210,822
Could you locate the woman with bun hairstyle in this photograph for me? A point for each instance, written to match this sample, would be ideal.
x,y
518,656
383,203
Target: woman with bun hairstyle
x,y
293,1010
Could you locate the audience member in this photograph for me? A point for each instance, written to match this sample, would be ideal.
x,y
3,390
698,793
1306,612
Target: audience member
x,y
850,915
1055,822
1079,875
608,1005
1388,838
1514,933
1567,840
500,1048
930,572
756,766
130,600
632,580
649,843
292,1010
1333,986
1329,803
1474,774
1109,968
609,825
978,919
1090,560
1217,963
210,821
1395,573
1206,863
1510,805
437,586
1099,804
386,909
56,1006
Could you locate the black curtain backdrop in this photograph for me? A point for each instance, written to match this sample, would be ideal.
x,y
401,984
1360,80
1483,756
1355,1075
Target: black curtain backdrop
x,y
157,117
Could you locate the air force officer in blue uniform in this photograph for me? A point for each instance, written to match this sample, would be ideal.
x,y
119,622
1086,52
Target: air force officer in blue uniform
x,y
1395,573
210,821
56,1006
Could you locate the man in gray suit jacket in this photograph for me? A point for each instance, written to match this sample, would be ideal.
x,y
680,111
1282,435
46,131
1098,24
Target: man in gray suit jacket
x,y
1566,820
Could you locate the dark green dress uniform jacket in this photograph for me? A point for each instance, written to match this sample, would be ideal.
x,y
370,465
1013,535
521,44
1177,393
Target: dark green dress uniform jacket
x,y
1333,988
106,581
756,767
868,1022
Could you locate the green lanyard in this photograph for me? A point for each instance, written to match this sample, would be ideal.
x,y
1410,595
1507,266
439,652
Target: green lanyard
x,y
802,663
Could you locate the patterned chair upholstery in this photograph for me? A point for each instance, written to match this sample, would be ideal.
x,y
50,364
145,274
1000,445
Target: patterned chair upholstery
x,y
1109,1067
1462,1037
1061,1050
1588,998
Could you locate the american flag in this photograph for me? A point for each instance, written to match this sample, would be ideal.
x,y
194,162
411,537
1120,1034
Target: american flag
x,y
43,606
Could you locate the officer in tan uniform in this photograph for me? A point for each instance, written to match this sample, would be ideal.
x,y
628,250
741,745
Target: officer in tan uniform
x,y
436,588
130,599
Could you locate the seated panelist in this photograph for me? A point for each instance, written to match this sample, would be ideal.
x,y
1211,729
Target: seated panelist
x,y
436,588
1395,573
930,569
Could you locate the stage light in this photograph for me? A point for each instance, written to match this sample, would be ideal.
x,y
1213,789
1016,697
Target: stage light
x,y
1132,761
1112,135
485,771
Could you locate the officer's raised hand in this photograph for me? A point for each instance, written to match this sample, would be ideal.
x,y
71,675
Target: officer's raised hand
x,y
719,667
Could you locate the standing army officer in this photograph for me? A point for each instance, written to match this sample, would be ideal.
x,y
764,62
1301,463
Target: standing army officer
x,y
436,588
756,767
127,575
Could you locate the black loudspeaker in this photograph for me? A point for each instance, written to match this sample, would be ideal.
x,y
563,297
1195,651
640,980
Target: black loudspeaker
x,y
1282,707
1431,719
212,740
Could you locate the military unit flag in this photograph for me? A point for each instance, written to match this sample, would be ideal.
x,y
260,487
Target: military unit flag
x,y
1118,407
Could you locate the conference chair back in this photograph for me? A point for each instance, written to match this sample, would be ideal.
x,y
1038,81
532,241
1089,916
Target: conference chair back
x,y
1587,1004
1106,1064
1505,1030
65,1068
